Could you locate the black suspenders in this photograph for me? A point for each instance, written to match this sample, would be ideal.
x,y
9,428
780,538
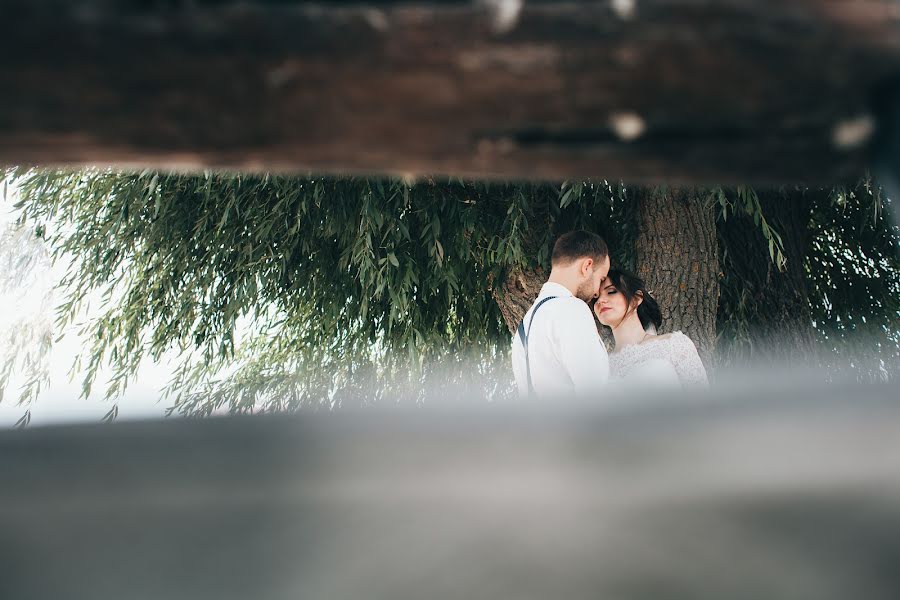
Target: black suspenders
x,y
523,336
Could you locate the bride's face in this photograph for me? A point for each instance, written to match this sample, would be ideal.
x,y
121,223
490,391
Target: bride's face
x,y
611,306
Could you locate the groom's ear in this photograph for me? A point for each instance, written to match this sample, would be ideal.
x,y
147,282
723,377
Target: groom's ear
x,y
587,266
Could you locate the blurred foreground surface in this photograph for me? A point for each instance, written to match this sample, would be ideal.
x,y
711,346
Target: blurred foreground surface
x,y
778,492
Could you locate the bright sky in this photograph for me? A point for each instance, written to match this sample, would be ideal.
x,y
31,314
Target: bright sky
x,y
61,402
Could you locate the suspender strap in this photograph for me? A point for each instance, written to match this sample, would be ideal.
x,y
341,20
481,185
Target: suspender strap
x,y
523,337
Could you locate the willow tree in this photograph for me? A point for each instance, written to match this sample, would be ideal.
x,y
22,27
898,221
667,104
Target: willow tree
x,y
335,287
281,292
822,287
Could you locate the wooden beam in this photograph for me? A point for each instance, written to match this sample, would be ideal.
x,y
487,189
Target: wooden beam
x,y
678,90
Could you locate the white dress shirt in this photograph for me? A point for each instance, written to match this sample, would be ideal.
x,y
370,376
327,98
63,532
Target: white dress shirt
x,y
565,351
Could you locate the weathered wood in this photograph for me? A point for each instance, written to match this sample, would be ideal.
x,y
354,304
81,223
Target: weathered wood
x,y
678,90
764,495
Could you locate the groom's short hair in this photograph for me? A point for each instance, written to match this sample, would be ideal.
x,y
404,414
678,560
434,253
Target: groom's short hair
x,y
578,244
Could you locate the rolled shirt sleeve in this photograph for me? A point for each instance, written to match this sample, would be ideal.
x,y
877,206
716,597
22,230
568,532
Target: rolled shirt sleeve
x,y
519,367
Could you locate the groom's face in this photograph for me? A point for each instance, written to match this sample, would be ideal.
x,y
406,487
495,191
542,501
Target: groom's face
x,y
594,273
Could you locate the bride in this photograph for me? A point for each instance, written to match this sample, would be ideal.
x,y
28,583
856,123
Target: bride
x,y
641,357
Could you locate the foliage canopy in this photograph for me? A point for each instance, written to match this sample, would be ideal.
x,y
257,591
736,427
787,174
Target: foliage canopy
x,y
283,291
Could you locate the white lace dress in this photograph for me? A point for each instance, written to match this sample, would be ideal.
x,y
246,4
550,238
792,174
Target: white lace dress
x,y
660,360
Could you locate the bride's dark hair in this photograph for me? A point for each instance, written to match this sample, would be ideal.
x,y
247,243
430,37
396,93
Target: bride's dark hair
x,y
632,286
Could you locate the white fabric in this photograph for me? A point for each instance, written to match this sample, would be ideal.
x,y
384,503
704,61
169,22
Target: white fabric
x,y
652,373
665,360
565,351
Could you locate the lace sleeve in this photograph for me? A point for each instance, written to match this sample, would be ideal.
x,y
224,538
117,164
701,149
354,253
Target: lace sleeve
x,y
687,361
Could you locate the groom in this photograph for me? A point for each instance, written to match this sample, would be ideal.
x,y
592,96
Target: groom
x,y
557,351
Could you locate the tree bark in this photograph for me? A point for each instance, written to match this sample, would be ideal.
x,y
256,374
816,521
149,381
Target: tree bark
x,y
677,256
765,310
516,293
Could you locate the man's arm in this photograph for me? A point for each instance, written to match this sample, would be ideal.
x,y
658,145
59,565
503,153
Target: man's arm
x,y
518,365
581,350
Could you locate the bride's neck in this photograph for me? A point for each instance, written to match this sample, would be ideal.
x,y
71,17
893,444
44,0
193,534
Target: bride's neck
x,y
628,332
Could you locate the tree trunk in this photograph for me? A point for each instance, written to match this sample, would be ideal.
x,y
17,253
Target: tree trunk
x,y
677,256
765,309
516,294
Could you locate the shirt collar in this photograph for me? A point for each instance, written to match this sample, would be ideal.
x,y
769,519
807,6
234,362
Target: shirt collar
x,y
554,289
